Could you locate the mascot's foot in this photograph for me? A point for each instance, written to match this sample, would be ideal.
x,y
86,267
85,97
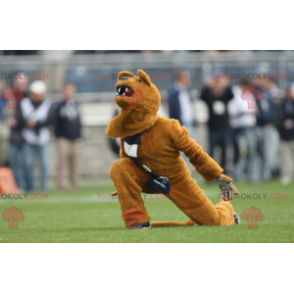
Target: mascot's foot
x,y
140,226
237,220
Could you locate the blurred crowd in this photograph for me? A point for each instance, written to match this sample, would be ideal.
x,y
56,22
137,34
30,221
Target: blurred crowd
x,y
249,116
36,52
249,119
25,133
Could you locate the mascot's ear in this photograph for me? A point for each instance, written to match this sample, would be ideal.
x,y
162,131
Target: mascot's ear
x,y
125,74
142,75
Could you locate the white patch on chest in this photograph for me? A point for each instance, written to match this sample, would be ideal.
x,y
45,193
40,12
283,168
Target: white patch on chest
x,y
131,150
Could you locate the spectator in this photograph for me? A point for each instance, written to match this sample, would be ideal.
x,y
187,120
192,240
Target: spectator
x,y
34,121
67,125
216,94
3,86
273,90
243,124
266,130
4,132
287,137
181,104
2,104
114,144
15,155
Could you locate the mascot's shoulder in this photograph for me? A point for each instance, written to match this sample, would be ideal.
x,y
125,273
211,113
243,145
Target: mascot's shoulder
x,y
167,122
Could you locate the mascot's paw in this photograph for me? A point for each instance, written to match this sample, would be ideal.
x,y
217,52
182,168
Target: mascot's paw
x,y
227,187
140,226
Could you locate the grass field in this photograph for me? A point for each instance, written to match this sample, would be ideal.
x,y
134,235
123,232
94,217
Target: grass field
x,y
81,217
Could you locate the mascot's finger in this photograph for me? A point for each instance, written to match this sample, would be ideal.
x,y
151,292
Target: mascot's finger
x,y
114,193
234,189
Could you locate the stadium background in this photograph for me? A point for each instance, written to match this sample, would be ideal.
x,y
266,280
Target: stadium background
x,y
96,95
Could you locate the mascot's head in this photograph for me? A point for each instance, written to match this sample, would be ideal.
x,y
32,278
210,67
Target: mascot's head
x,y
139,100
137,92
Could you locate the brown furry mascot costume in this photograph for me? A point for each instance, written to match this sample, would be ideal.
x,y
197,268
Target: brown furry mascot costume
x,y
151,161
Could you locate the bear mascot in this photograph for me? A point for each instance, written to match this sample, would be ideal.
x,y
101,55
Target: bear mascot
x,y
151,162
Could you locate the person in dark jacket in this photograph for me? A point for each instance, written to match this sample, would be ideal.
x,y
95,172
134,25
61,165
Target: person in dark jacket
x,y
287,137
114,144
67,126
181,105
216,94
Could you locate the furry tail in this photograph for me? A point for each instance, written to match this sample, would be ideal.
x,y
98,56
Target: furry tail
x,y
189,222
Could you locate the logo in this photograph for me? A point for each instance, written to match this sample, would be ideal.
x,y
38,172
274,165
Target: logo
x,y
13,95
257,196
252,215
23,196
13,215
132,216
252,76
252,95
23,75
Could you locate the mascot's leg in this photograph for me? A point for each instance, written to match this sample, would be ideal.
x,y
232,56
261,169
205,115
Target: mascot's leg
x,y
129,180
188,197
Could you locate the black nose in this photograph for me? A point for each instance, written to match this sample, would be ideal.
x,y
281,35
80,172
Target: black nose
x,y
122,88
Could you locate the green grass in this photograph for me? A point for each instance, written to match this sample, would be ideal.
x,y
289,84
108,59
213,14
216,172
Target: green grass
x,y
80,217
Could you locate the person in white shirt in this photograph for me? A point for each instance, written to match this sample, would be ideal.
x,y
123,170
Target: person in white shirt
x,y
36,116
243,124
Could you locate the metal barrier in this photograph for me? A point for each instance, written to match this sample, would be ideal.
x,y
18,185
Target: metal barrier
x,y
95,74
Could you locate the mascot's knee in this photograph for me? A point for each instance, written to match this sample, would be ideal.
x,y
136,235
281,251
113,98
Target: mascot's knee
x,y
116,168
119,168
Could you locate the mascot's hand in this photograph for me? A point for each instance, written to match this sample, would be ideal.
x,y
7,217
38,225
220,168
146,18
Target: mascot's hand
x,y
114,193
227,188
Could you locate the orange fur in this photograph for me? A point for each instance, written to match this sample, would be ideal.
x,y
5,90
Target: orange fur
x,y
160,145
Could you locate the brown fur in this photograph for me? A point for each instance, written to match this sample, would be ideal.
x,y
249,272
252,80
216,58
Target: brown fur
x,y
160,145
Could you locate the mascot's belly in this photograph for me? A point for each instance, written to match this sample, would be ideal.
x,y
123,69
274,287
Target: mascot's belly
x,y
157,152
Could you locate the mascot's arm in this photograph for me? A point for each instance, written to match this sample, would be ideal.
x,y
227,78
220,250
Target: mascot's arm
x,y
202,162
